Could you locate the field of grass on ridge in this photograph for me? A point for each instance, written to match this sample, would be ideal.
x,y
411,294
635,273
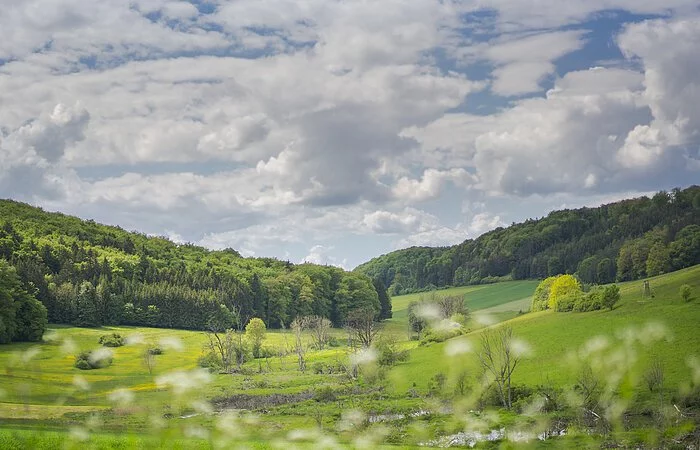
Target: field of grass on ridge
x,y
554,336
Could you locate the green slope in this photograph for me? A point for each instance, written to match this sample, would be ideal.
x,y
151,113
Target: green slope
x,y
476,297
555,338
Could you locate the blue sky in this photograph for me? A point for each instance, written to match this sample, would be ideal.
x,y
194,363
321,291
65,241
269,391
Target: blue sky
x,y
334,131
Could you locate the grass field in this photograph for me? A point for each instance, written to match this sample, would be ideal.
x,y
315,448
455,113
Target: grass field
x,y
477,298
554,338
126,406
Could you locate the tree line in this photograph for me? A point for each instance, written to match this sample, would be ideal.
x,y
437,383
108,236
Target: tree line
x,y
88,274
621,241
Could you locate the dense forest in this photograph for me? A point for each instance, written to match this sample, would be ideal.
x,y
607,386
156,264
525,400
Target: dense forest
x,y
88,274
621,241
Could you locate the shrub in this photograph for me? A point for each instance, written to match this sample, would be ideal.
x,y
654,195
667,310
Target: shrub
x,y
325,394
211,361
685,292
82,364
611,295
318,367
89,360
592,301
389,354
437,383
567,301
112,340
155,351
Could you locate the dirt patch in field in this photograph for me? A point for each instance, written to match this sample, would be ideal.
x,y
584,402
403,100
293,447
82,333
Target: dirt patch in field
x,y
254,402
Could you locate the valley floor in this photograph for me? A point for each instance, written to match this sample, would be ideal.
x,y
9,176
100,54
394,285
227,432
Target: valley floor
x,y
45,402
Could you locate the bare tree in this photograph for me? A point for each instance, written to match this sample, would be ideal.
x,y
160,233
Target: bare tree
x,y
363,326
499,360
149,360
450,305
218,326
319,327
298,325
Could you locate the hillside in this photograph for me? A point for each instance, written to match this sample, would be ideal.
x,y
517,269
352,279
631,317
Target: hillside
x,y
89,274
662,328
622,241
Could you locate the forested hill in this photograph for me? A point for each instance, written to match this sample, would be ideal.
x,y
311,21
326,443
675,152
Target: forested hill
x,y
90,274
621,241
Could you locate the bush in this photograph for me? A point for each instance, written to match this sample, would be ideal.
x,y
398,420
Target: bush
x,y
318,367
685,292
566,302
82,364
611,295
211,361
389,354
155,351
437,383
89,360
592,301
325,394
112,340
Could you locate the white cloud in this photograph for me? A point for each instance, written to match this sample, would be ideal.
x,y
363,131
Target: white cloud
x,y
430,184
319,254
522,62
668,50
285,126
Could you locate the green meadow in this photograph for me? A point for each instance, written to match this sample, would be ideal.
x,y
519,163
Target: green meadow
x,y
555,338
45,402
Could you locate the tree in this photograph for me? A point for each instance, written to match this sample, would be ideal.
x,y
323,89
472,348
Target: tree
x,y
541,296
416,322
22,316
606,271
255,333
499,358
149,360
362,325
562,287
384,299
218,326
86,306
319,327
658,260
9,284
449,305
354,292
298,325
610,296
32,319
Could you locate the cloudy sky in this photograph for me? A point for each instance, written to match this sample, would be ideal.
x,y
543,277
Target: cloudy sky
x,y
334,131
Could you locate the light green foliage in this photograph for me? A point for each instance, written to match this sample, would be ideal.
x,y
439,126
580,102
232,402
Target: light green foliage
x,y
620,345
255,333
610,296
541,297
659,260
565,289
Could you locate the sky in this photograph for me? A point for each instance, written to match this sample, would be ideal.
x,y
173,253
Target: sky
x,y
333,131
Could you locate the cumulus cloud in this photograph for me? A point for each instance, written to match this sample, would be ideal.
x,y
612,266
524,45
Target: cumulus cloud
x,y
289,126
320,254
522,62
